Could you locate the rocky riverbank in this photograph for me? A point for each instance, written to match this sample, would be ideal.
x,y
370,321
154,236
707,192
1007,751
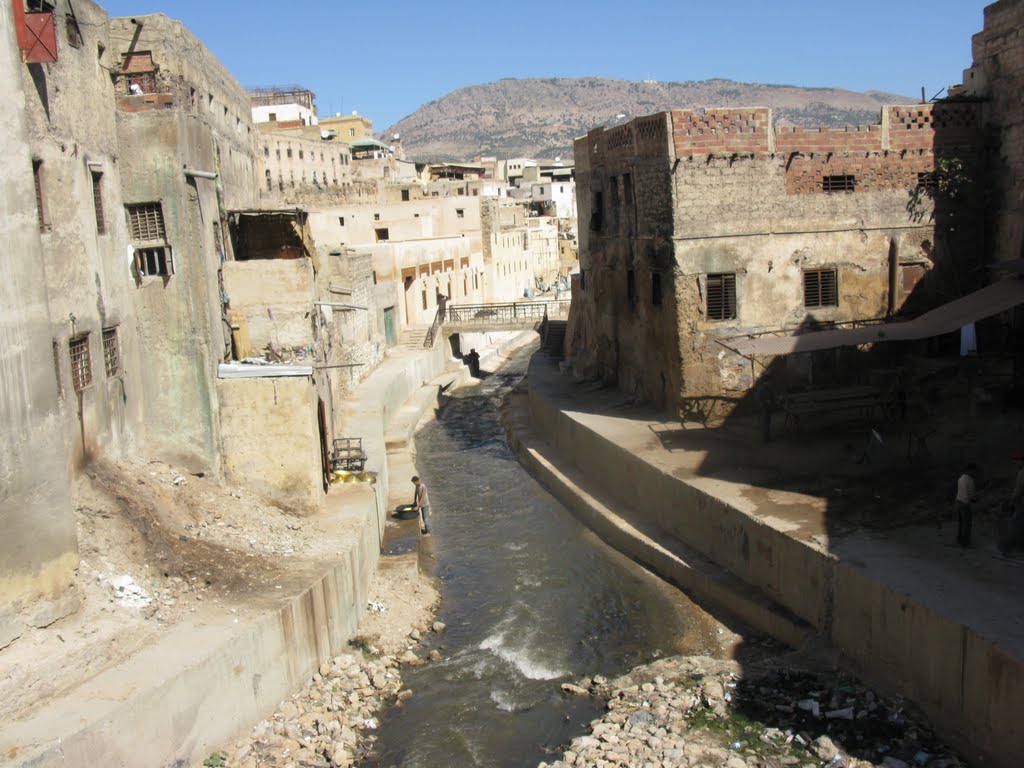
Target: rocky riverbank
x,y
702,712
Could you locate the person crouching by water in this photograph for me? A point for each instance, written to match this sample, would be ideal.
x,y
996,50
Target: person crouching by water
x,y
421,503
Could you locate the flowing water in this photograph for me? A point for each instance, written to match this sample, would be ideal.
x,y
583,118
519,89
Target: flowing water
x,y
530,599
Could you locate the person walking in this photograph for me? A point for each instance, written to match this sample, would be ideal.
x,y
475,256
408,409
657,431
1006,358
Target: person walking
x,y
421,503
965,493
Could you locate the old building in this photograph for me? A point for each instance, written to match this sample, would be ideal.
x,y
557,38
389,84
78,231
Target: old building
x,y
698,227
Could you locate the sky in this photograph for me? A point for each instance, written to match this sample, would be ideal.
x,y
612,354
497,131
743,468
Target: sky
x,y
386,59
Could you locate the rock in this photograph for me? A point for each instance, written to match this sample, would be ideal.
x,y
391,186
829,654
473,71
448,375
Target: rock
x,y
435,655
415,635
574,690
712,692
641,717
823,748
438,627
735,762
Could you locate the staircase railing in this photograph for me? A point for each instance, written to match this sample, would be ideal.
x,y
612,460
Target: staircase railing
x,y
428,342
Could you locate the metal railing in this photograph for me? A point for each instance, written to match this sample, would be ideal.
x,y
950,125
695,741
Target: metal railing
x,y
428,342
510,313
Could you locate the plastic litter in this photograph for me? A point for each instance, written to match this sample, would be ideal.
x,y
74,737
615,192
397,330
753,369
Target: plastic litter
x,y
810,705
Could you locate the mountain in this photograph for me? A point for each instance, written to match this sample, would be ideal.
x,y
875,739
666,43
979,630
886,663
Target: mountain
x,y
540,117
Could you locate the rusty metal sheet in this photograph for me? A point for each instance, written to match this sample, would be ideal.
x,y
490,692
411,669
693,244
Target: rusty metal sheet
x,y
40,39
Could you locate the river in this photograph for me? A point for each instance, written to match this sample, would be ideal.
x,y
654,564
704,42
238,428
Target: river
x,y
530,598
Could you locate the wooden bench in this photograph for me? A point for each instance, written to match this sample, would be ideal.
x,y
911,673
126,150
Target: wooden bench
x,y
348,454
862,400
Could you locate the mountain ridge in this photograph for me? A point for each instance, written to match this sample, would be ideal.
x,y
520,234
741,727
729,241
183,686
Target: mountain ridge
x,y
540,117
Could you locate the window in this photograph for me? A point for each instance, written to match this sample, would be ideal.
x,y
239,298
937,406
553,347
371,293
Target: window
x,y
375,277
376,217
97,202
266,151
153,262
656,289
820,289
289,152
840,183
341,221
270,182
273,117
301,154
460,213
721,297
351,131
627,188
111,351
381,234
81,366
596,211
424,298
278,152
56,368
37,178
405,195
631,288
146,222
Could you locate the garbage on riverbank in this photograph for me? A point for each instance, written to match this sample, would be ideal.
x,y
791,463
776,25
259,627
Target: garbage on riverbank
x,y
695,711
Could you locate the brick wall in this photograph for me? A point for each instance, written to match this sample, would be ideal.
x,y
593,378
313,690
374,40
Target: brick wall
x,y
721,130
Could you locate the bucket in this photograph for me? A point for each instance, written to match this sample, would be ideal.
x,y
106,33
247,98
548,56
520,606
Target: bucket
x,y
406,512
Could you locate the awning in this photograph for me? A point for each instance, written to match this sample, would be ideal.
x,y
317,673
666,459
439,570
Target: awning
x,y
990,300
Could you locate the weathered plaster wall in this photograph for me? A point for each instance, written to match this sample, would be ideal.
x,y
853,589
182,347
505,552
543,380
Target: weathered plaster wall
x,y
271,438
276,298
668,199
38,545
70,113
285,160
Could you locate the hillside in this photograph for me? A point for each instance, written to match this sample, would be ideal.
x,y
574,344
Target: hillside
x,y
541,117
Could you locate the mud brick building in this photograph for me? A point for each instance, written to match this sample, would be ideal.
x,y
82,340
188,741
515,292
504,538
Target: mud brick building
x,y
696,227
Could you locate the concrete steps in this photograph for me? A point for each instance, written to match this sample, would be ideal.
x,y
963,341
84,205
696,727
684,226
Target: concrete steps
x,y
554,337
412,337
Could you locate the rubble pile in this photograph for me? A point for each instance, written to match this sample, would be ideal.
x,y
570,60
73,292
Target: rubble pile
x,y
326,724
330,723
696,711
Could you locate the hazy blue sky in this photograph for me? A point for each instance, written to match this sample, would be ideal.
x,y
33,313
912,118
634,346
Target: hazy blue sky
x,y
385,59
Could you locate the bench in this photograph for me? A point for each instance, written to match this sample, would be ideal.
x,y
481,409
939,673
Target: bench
x,y
862,400
348,454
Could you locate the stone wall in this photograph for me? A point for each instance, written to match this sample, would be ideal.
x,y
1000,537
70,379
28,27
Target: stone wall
x,y
275,296
289,161
998,74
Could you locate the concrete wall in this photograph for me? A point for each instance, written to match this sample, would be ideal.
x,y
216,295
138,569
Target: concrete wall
x,y
966,683
271,440
38,545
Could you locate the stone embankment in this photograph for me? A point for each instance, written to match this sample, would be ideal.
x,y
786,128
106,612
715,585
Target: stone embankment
x,y
330,722
700,712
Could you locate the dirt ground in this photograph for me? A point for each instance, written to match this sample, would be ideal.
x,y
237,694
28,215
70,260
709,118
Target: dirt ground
x,y
159,546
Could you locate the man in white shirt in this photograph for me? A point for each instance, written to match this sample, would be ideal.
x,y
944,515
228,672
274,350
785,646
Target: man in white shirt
x,y
965,493
421,501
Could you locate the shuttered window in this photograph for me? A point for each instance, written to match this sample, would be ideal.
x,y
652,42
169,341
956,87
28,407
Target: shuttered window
x,y
820,288
721,297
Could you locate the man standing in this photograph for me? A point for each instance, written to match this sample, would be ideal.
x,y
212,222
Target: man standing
x,y
965,492
421,503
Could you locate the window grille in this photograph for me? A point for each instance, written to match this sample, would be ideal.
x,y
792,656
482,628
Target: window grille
x,y
721,297
56,368
97,202
111,352
81,366
839,183
820,289
146,222
152,262
927,181
37,174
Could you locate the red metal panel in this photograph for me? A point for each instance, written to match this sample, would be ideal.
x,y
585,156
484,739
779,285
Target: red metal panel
x,y
42,38
19,25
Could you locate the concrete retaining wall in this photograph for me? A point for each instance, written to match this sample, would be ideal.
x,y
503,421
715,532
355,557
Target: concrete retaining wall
x,y
964,682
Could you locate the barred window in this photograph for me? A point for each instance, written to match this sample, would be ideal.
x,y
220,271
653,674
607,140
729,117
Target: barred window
x,y
81,365
152,262
721,297
146,222
97,202
820,288
839,183
111,351
927,181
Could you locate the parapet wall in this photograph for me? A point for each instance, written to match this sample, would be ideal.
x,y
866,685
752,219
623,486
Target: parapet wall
x,y
751,130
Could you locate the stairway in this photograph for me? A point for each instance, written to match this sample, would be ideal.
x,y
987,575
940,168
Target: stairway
x,y
554,337
412,337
